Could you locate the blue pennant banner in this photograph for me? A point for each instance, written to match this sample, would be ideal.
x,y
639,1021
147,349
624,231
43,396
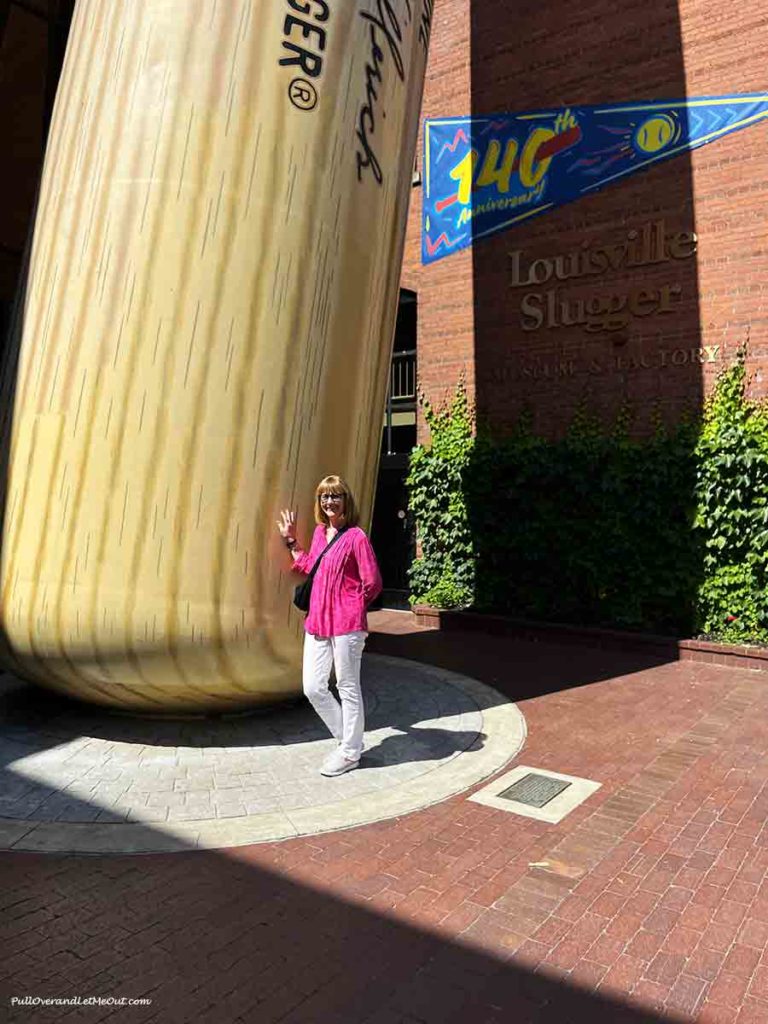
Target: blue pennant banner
x,y
484,174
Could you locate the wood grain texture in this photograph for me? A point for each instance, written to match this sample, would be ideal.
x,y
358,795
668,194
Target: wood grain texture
x,y
206,332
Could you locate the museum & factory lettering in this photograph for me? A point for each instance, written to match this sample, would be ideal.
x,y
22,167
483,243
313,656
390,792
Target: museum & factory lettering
x,y
647,246
616,362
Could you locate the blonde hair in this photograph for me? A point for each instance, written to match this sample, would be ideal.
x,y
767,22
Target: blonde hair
x,y
335,485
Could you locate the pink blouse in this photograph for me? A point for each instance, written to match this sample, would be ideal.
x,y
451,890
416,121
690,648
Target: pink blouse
x,y
346,582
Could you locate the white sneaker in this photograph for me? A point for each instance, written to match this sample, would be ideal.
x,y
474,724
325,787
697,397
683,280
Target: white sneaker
x,y
337,764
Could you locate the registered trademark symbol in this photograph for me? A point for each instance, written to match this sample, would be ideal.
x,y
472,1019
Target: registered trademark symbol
x,y
302,94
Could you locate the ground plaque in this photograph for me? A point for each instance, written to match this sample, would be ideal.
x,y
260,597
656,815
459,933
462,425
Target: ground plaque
x,y
534,790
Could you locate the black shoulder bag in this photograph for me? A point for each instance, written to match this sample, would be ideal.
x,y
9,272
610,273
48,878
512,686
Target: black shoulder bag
x,y
303,591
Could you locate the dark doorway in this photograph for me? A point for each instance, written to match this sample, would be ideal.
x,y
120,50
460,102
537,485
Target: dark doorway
x,y
33,38
392,533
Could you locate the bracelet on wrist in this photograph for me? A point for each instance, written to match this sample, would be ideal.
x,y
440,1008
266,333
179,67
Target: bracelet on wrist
x,y
290,543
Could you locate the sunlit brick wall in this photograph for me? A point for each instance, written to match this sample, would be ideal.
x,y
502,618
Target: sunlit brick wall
x,y
488,58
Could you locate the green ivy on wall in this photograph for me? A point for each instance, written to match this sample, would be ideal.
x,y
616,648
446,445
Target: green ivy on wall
x,y
732,512
444,575
666,534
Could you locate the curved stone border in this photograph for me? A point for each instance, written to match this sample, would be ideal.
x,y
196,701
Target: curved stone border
x,y
503,735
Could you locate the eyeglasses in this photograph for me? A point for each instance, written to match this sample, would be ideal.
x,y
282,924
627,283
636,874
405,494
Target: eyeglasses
x,y
325,498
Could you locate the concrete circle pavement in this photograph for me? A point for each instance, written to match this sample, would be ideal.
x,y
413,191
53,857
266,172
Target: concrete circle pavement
x,y
80,779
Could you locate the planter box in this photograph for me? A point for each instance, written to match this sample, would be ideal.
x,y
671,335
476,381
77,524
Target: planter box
x,y
665,647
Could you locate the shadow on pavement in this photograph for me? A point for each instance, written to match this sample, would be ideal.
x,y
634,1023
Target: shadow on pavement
x,y
420,743
519,669
217,937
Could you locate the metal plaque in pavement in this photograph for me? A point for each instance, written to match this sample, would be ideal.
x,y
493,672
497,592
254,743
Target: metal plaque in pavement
x,y
534,790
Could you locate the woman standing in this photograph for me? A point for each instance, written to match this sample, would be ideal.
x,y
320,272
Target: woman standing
x,y
346,582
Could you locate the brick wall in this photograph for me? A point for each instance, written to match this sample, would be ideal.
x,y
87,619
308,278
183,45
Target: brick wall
x,y
491,57
445,291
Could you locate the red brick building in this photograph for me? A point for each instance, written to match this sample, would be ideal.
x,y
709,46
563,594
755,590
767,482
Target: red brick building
x,y
488,58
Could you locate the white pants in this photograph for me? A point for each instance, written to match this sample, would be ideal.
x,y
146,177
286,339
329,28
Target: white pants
x,y
345,721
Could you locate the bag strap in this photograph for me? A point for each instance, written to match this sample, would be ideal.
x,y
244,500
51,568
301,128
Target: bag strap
x,y
330,544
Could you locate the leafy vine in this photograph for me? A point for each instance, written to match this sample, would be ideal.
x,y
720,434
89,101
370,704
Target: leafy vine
x,y
667,533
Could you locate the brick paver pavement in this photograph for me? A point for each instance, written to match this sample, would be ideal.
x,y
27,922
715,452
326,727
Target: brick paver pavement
x,y
649,902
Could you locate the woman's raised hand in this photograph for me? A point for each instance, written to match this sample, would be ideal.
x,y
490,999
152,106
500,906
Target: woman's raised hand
x,y
287,524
